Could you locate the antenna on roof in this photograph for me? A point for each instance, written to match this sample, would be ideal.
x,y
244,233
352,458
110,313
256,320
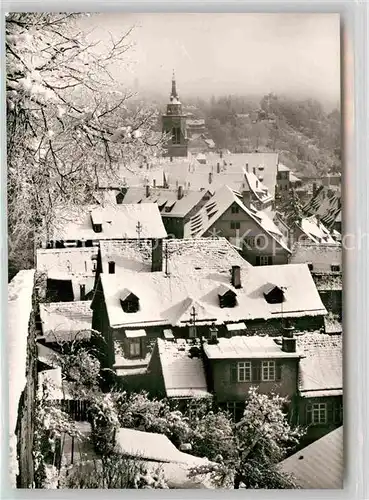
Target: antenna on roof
x,y
139,231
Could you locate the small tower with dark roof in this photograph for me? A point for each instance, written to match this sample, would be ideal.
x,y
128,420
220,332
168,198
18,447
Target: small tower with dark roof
x,y
174,123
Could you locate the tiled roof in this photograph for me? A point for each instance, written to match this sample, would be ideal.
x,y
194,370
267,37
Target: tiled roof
x,y
202,254
66,321
163,299
320,465
222,200
321,255
183,376
321,369
166,198
325,204
246,348
118,222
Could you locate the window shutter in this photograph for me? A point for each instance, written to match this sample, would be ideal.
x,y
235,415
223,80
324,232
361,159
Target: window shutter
x,y
278,371
256,371
234,377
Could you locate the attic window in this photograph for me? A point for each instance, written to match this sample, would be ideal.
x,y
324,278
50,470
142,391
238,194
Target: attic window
x,y
235,209
227,297
111,267
335,268
97,228
129,301
274,294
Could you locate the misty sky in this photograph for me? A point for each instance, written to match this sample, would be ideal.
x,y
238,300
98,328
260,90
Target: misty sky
x,y
212,54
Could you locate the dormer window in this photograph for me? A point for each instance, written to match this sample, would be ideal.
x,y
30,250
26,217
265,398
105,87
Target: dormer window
x,y
274,294
235,209
97,228
129,301
227,297
335,268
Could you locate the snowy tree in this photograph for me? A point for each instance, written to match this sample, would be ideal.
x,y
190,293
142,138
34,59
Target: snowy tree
x,y
260,441
292,209
67,121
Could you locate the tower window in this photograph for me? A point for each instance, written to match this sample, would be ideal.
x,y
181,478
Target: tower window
x,y
176,135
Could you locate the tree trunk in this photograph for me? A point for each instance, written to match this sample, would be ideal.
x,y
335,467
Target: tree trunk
x,y
237,481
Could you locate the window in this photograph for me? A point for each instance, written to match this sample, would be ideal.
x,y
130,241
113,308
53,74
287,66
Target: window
x,y
244,371
235,209
310,266
235,225
176,135
338,413
135,348
268,371
335,268
316,413
111,267
264,260
94,265
236,409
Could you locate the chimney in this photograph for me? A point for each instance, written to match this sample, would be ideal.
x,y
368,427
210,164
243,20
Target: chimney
x,y
111,267
147,190
213,335
218,168
236,276
171,158
221,154
210,177
314,188
288,339
154,183
82,292
247,167
254,170
180,192
157,255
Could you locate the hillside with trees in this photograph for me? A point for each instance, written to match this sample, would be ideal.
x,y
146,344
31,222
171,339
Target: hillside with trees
x,y
302,131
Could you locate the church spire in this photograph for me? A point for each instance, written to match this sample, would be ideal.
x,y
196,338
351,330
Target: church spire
x,y
174,88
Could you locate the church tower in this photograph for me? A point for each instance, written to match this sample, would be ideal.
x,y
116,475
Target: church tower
x,y
174,123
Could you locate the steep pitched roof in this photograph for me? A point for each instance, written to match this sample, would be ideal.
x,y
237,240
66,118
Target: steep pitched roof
x,y
162,297
320,465
222,200
118,221
183,376
325,204
315,230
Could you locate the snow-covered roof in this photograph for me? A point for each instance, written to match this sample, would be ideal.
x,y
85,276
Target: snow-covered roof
x,y
255,184
183,376
19,309
200,254
232,171
152,446
59,262
166,198
66,321
320,255
201,223
319,465
135,175
315,230
283,168
253,347
321,368
168,300
293,178
118,222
